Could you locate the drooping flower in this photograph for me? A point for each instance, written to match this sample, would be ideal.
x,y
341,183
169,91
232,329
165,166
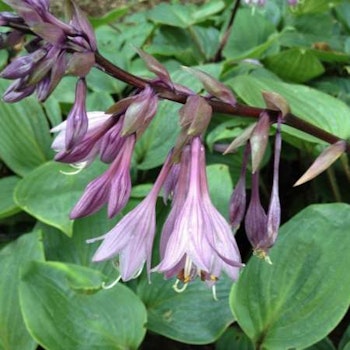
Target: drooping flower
x,y
238,198
77,120
196,239
112,187
132,238
54,51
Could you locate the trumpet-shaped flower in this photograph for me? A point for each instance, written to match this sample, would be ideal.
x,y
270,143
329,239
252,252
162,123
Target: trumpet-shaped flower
x,y
112,187
196,239
132,238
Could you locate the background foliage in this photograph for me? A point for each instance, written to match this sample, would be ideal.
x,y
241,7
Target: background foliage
x,y
50,291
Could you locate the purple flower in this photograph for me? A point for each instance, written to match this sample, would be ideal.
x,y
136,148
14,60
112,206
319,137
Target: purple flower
x,y
256,218
238,198
112,187
132,238
77,121
196,239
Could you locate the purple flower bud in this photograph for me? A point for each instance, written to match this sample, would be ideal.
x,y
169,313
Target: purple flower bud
x,y
171,181
213,86
22,66
112,142
255,219
82,24
17,91
238,198
293,2
80,63
323,161
77,121
114,186
140,112
49,32
195,115
57,72
10,39
132,238
85,151
274,212
259,139
156,67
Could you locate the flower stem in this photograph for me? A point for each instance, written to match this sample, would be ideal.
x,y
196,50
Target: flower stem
x,y
218,106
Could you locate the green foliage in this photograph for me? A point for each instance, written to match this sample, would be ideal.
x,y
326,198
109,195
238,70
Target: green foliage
x,y
278,305
51,292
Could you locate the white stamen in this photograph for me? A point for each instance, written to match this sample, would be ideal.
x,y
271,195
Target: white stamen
x,y
111,285
213,289
177,289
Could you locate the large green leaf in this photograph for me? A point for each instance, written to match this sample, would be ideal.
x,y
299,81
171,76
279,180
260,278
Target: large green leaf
x,y
192,316
24,135
296,65
49,195
7,205
220,186
252,36
302,296
64,308
309,104
234,338
13,333
324,344
184,16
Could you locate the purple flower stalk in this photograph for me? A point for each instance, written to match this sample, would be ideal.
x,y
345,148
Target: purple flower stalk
x,y
196,239
132,238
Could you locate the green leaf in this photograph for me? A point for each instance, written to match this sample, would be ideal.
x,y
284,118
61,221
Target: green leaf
x,y
296,65
109,17
99,101
53,110
65,308
251,31
176,15
309,104
298,300
192,316
19,253
183,16
324,344
315,6
159,138
24,135
49,195
220,187
234,338
345,340
7,205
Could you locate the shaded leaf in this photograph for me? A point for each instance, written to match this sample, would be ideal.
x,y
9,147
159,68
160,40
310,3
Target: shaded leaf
x,y
65,308
278,306
14,256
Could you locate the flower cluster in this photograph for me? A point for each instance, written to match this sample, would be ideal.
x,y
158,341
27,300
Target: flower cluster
x,y
196,240
56,49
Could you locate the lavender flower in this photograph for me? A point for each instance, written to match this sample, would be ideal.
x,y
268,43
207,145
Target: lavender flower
x,y
196,239
54,51
132,238
85,152
238,198
77,121
256,218
112,187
